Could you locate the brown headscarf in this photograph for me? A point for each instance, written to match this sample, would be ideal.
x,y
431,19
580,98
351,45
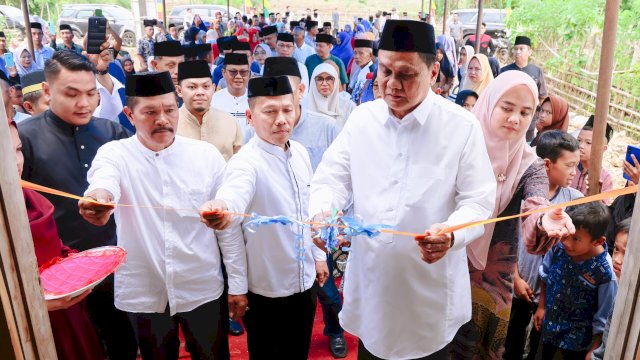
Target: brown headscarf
x,y
559,116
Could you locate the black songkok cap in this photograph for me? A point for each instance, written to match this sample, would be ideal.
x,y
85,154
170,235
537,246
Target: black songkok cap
x,y
281,66
311,24
202,49
269,86
269,30
236,59
65,27
293,24
31,82
168,48
228,43
608,132
324,38
193,69
408,36
2,34
286,37
363,43
36,25
150,84
241,45
522,40
189,51
326,23
149,22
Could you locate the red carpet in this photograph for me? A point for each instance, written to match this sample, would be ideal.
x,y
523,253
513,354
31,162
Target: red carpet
x,y
319,343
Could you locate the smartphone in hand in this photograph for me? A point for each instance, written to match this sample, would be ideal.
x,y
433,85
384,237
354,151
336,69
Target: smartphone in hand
x,y
8,59
631,149
97,32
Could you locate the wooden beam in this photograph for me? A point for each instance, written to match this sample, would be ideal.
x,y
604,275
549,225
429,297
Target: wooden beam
x,y
478,25
21,294
603,97
624,332
27,28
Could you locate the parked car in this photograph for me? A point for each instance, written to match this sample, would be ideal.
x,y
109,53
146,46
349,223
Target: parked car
x,y
494,18
14,19
120,20
207,13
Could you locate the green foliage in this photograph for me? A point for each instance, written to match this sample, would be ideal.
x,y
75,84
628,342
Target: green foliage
x,y
573,28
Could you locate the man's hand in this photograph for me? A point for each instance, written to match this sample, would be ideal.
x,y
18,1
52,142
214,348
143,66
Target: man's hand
x,y
557,224
316,227
97,207
102,60
538,317
522,290
322,272
237,306
214,214
632,170
66,302
433,247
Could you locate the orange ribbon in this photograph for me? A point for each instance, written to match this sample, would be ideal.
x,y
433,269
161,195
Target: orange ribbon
x,y
584,200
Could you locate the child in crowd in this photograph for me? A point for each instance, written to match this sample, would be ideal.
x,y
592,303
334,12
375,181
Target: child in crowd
x,y
560,153
34,100
585,136
578,287
619,249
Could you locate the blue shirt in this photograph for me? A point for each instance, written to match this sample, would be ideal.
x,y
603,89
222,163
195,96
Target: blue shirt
x,y
217,73
315,132
579,296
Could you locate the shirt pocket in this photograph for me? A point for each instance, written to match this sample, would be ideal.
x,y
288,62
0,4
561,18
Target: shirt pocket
x,y
424,182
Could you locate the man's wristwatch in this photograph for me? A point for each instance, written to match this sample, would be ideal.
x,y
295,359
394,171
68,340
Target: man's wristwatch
x,y
453,241
102,72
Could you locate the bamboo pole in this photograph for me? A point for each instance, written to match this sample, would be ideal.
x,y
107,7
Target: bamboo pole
x,y
605,77
478,25
444,17
27,28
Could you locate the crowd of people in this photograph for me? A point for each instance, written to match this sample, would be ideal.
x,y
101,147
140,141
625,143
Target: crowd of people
x,y
298,117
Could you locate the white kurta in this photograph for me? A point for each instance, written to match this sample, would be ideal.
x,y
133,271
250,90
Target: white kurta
x,y
264,179
110,105
171,256
303,52
235,106
430,167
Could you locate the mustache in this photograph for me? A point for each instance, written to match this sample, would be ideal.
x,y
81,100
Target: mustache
x,y
164,128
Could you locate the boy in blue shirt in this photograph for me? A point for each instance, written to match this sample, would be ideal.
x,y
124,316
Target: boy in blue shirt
x,y
578,287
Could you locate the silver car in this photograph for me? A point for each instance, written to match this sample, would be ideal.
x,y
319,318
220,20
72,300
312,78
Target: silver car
x,y
120,20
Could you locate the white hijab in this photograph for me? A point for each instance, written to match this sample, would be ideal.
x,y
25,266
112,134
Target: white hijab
x,y
21,69
329,105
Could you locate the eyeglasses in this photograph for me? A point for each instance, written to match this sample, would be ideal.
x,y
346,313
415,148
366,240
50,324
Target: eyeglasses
x,y
234,73
285,46
329,79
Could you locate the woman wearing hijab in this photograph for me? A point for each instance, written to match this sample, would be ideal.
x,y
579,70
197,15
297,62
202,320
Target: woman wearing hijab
x,y
260,54
73,333
127,67
24,64
343,49
444,81
190,36
505,110
254,37
466,53
324,95
553,115
467,99
449,49
479,74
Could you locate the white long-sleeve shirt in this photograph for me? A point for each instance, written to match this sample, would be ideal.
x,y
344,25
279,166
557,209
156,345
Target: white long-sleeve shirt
x,y
303,52
429,167
171,256
110,102
265,179
235,106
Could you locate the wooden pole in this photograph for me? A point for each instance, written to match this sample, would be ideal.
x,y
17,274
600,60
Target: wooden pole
x,y
228,13
444,17
20,291
605,78
422,14
624,331
478,25
164,15
27,28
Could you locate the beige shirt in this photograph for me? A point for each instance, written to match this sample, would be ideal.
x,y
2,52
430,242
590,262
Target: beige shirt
x,y
218,128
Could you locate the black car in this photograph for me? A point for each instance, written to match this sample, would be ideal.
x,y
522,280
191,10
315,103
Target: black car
x,y
120,20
